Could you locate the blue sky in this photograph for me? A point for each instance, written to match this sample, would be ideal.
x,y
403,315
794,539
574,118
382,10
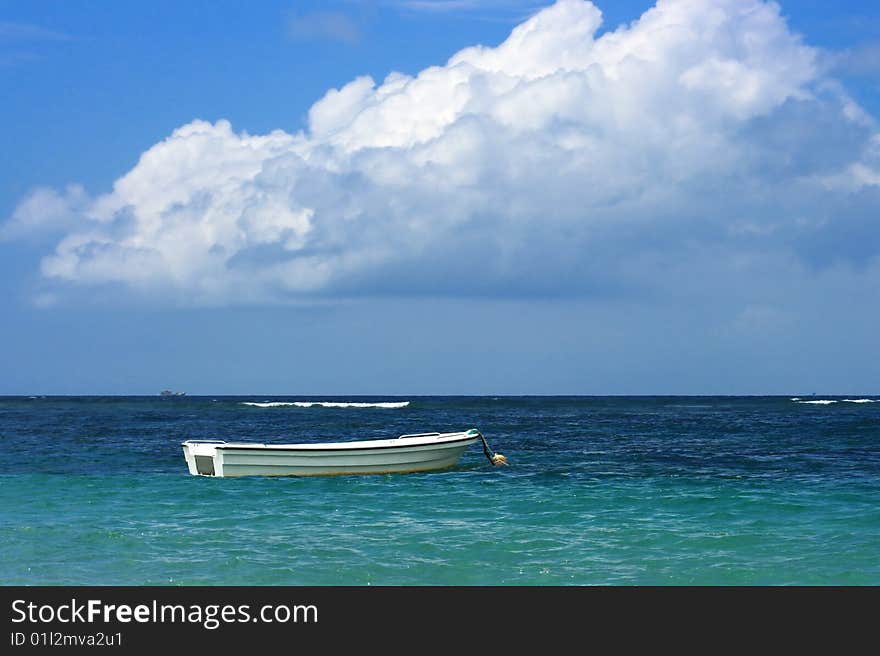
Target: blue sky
x,y
688,205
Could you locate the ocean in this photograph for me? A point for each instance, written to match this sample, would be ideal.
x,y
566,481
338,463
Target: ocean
x,y
599,490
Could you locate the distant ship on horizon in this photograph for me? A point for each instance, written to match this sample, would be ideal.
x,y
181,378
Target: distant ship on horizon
x,y
171,393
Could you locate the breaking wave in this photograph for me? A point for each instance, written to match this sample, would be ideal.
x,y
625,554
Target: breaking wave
x,y
327,404
830,401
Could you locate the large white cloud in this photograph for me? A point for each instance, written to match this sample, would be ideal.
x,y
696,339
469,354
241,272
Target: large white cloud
x,y
555,162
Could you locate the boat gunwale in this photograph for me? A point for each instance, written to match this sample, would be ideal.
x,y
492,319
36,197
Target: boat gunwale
x,y
335,447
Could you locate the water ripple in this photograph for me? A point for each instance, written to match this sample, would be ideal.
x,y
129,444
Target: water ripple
x,y
600,490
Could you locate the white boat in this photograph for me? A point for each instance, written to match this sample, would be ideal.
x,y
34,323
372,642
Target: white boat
x,y
407,453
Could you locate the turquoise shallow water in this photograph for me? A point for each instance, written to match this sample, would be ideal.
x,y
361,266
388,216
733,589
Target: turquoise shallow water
x,y
642,490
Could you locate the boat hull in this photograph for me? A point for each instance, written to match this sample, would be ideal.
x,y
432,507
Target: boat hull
x,y
416,454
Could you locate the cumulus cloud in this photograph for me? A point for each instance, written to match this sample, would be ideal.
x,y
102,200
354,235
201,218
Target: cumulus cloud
x,y
557,162
46,211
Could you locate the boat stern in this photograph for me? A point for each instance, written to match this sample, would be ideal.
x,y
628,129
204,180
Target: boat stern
x,y
202,457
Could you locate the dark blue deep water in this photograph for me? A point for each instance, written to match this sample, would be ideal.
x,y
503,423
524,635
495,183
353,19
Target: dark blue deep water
x,y
600,490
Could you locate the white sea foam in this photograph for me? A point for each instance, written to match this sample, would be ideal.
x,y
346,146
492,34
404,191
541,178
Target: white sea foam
x,y
333,404
819,402
796,398
327,404
861,400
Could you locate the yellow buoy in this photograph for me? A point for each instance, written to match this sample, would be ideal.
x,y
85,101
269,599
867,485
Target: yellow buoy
x,y
496,459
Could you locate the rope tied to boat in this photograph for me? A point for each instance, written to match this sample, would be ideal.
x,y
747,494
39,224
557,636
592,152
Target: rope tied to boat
x,y
496,459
